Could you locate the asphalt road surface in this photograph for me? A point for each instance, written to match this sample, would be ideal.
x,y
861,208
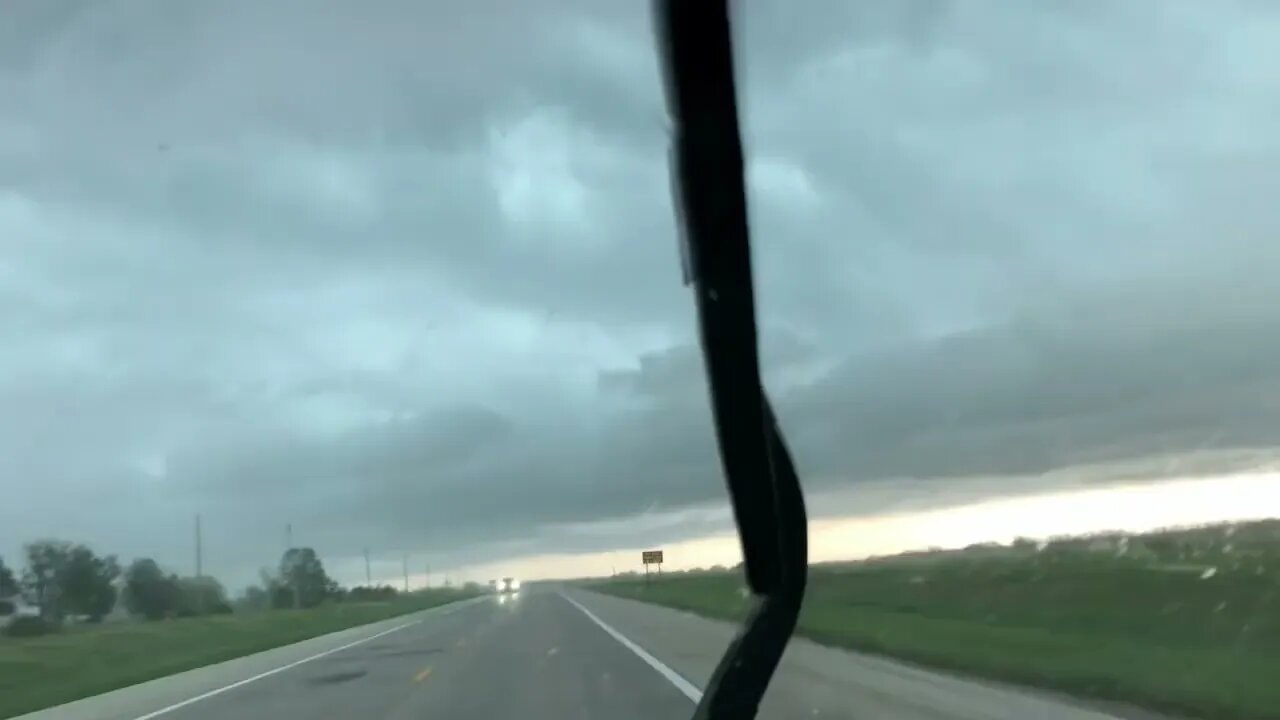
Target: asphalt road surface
x,y
548,653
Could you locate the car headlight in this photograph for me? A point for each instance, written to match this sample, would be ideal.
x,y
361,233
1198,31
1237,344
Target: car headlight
x,y
515,584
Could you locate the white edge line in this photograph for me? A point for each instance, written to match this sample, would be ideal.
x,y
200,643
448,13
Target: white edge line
x,y
689,689
273,671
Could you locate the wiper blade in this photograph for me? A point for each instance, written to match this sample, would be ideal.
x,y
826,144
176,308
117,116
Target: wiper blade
x,y
707,170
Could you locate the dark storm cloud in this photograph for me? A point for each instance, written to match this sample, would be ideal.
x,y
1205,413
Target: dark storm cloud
x,y
407,277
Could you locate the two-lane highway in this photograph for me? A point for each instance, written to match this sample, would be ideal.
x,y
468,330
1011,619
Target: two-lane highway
x,y
548,654
532,655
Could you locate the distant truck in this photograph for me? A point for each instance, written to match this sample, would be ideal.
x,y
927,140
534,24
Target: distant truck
x,y
506,585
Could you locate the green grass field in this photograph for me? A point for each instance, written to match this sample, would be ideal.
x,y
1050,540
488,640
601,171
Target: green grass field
x,y
45,671
1136,624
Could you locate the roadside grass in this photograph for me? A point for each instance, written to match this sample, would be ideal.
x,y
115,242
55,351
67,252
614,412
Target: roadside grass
x,y
83,661
1091,624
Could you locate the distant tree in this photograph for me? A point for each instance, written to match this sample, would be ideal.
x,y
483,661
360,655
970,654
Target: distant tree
x,y
61,577
87,583
1059,549
148,591
275,592
1025,543
334,591
281,597
254,597
202,595
304,577
1164,547
8,583
46,560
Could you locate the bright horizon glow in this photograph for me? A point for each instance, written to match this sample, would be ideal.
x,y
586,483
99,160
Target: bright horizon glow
x,y
1135,507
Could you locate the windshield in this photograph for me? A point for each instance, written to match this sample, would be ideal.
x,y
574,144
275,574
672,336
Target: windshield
x,y
353,360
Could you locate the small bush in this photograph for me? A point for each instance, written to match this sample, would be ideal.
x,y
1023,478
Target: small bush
x,y
29,627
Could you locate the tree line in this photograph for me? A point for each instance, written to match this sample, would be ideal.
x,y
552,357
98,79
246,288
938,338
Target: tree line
x,y
65,581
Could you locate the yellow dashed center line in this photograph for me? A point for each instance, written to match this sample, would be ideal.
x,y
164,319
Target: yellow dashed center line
x,y
426,673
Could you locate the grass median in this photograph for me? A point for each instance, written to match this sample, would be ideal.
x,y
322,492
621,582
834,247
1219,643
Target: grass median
x,y
1197,638
80,662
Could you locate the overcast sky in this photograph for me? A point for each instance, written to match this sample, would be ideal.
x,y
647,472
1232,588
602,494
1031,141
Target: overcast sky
x,y
408,279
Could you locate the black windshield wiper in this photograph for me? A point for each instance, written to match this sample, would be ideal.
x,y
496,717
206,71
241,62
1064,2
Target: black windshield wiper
x,y
697,55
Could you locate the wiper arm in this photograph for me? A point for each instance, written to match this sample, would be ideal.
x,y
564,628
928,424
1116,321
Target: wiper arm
x,y
707,167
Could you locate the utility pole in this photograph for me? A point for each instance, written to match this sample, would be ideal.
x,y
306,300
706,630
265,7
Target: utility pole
x,y
368,574
199,550
406,572
428,575
288,545
199,568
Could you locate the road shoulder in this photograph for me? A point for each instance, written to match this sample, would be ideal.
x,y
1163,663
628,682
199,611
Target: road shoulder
x,y
144,700
837,683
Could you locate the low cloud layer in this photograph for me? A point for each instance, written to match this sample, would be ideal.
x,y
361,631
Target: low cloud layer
x,y
407,278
